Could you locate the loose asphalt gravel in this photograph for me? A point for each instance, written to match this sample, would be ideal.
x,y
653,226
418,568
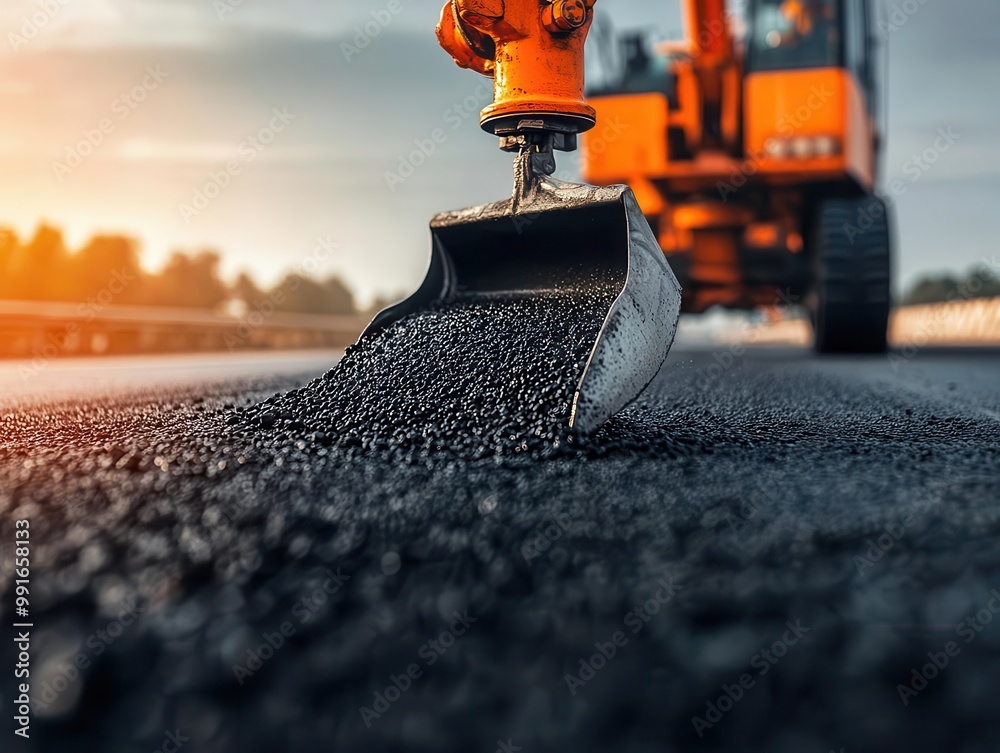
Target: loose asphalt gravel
x,y
482,377
768,552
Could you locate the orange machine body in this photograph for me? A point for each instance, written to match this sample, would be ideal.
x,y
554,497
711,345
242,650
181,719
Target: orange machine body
x,y
728,164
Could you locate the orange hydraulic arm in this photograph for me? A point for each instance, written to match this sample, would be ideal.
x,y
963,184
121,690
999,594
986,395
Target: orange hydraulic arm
x,y
533,49
715,73
708,29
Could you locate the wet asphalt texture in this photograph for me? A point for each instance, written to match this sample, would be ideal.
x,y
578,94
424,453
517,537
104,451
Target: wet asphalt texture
x,y
775,548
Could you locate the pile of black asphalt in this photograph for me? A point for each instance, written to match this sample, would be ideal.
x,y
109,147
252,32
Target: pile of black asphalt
x,y
766,552
483,377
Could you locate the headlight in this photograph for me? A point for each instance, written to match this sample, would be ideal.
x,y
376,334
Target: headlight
x,y
776,148
826,146
802,147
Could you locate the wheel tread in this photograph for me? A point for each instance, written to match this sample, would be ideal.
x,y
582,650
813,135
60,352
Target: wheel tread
x,y
852,278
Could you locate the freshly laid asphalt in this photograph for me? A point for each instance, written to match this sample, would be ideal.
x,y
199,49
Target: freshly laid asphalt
x,y
768,552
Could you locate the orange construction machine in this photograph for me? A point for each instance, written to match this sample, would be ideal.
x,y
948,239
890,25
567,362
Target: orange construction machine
x,y
748,172
756,163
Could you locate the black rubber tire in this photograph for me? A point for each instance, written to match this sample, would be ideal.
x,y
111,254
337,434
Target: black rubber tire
x,y
853,271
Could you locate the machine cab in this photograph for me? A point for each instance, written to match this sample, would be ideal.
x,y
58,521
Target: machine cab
x,y
809,89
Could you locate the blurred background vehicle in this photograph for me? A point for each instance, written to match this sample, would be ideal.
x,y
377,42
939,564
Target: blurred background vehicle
x,y
758,162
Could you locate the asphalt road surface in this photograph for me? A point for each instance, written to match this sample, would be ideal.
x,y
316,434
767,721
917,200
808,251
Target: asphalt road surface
x,y
769,552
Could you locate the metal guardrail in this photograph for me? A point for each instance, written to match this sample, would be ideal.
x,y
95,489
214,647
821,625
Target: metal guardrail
x,y
966,322
32,329
971,322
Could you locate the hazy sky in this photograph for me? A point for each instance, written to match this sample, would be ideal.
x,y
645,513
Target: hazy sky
x,y
222,72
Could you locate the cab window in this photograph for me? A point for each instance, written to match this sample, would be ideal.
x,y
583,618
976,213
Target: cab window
x,y
788,34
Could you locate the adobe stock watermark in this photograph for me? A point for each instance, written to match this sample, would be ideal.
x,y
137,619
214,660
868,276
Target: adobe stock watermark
x,y
172,741
32,25
544,538
916,167
425,148
88,311
635,619
488,504
261,310
97,642
430,652
714,28
123,106
969,629
737,515
892,533
225,8
603,135
507,747
746,512
788,125
898,16
733,693
598,141
303,611
248,150
365,33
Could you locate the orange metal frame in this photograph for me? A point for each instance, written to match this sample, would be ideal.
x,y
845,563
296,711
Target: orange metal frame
x,y
533,50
